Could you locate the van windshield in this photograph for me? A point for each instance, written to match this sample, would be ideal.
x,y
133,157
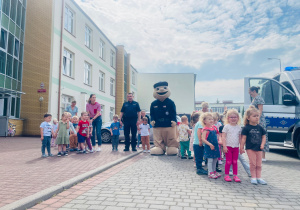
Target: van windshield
x,y
297,84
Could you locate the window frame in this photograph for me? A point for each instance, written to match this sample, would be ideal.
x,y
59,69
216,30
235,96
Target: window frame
x,y
111,113
69,15
89,70
103,78
71,71
133,77
112,88
102,49
88,42
65,104
112,59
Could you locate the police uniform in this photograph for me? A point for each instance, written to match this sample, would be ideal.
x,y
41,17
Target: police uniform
x,y
130,115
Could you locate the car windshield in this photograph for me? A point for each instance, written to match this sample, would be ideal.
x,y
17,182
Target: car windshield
x,y
297,84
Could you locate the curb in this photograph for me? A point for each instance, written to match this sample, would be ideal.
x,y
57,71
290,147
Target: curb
x,y
43,195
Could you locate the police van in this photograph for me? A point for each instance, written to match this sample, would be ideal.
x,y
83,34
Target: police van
x,y
281,108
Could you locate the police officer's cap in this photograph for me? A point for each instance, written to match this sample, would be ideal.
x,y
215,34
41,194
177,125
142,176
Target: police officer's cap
x,y
160,84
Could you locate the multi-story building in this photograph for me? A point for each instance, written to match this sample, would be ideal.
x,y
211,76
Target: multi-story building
x,y
67,57
12,24
221,106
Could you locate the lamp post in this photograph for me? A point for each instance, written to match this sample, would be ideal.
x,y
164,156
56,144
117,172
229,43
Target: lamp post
x,y
278,60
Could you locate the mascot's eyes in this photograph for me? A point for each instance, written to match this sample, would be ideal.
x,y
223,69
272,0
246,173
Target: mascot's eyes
x,y
165,88
157,88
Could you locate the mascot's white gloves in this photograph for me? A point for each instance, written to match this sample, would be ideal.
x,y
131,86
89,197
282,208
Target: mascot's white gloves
x,y
173,123
152,123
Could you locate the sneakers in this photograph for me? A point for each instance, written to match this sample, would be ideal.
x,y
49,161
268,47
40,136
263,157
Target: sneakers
x,y
98,149
236,179
44,155
261,181
201,172
263,160
50,155
218,175
183,157
65,154
190,157
58,154
148,151
220,162
218,169
212,176
126,150
227,178
254,181
134,149
203,163
144,151
91,151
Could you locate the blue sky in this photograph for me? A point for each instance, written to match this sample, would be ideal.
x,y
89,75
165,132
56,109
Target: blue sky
x,y
220,41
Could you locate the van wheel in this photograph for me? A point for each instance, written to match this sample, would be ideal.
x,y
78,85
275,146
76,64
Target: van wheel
x,y
105,136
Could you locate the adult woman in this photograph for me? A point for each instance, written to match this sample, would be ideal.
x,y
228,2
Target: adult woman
x,y
258,102
93,108
72,109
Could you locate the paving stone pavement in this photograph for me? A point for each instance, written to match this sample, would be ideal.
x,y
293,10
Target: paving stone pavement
x,y
23,172
162,182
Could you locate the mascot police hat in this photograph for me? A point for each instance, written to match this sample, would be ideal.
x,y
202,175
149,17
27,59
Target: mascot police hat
x,y
160,84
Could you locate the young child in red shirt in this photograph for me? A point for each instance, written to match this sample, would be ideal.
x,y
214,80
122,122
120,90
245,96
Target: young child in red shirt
x,y
83,131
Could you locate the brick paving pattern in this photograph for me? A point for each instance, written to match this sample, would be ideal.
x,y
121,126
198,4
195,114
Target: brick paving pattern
x,y
151,182
23,172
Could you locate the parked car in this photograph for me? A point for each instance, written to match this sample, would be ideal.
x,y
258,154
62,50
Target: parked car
x,y
106,136
281,108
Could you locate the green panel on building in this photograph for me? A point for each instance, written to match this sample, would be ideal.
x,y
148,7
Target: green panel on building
x,y
4,21
14,84
18,32
12,27
2,78
8,83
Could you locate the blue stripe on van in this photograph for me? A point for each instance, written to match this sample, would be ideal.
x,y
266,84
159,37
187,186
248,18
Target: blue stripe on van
x,y
280,122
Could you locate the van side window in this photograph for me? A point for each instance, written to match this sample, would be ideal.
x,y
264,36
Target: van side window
x,y
289,86
278,92
265,90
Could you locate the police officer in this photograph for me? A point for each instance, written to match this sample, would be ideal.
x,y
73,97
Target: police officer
x,y
130,113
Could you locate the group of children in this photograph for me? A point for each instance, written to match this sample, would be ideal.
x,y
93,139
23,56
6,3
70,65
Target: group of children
x,y
210,136
69,134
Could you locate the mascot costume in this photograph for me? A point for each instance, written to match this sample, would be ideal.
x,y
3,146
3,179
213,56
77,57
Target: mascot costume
x,y
163,120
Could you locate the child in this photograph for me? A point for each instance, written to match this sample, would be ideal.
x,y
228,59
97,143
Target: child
x,y
217,124
231,137
211,148
88,145
73,136
83,131
115,132
62,135
145,132
184,132
71,129
255,138
194,119
46,131
54,127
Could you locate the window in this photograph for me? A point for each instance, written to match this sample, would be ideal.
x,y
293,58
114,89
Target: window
x,y
101,81
20,71
112,59
13,107
133,78
3,40
278,93
19,13
88,37
289,86
101,49
112,87
6,6
102,110
13,8
111,113
23,19
15,69
10,48
2,62
9,65
17,48
66,101
87,73
68,63
69,20
21,53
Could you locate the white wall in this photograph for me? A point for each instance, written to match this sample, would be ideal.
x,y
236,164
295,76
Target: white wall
x,y
74,43
182,87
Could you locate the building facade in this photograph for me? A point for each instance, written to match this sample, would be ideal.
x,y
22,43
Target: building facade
x,y
67,58
221,106
182,87
12,36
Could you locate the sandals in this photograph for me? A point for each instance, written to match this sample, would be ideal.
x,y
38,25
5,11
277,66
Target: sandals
x,y
227,178
236,179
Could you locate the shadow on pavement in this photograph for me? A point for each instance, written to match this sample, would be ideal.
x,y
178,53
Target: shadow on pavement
x,y
285,151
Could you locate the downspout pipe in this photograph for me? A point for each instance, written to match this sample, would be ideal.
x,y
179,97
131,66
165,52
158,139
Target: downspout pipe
x,y
60,55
